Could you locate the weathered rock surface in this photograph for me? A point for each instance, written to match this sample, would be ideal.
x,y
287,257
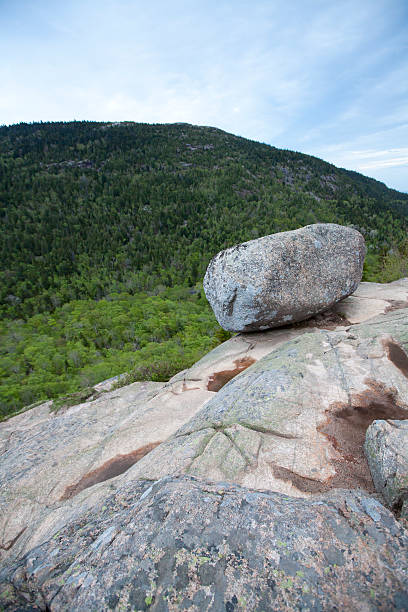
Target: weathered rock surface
x,y
295,421
52,466
182,544
47,461
284,278
386,449
371,299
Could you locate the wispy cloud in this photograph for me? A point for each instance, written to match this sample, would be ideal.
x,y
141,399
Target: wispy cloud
x,y
327,78
373,159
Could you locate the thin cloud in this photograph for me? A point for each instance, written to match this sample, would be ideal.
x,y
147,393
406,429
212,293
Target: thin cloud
x,y
327,78
388,160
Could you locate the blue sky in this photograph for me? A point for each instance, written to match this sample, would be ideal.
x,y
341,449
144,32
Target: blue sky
x,y
325,77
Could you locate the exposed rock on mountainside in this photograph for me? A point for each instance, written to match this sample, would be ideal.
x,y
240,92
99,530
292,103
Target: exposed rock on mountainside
x,y
83,526
47,456
180,544
284,278
387,454
295,421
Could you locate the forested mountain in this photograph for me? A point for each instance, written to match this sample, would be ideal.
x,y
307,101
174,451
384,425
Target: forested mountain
x,y
87,208
125,217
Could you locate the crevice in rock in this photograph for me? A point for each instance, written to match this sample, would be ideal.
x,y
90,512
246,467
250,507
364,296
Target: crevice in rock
x,y
398,316
250,342
342,374
48,605
111,468
257,428
346,426
271,432
184,388
201,451
397,507
217,380
237,448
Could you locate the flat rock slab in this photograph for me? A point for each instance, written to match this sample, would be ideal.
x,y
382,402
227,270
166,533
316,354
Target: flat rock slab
x,y
372,299
285,277
386,449
48,459
183,544
295,421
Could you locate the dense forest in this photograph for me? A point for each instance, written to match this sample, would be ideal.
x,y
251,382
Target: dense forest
x,y
106,226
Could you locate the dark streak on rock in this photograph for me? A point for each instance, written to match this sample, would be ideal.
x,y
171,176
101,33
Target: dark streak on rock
x,y
217,380
397,356
11,543
324,320
396,305
346,427
111,468
306,485
327,319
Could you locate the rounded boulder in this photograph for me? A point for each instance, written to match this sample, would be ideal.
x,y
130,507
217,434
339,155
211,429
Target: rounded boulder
x,y
283,278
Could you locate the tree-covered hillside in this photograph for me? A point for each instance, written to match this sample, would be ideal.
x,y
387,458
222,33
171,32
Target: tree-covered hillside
x,y
104,227
89,208
87,341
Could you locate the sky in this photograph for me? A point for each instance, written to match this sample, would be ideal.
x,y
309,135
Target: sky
x,y
324,77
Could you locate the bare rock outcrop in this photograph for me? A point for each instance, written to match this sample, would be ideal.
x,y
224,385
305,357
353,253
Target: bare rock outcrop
x,y
100,506
53,465
295,421
183,544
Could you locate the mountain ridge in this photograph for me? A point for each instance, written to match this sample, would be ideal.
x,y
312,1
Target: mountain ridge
x,y
125,123
105,207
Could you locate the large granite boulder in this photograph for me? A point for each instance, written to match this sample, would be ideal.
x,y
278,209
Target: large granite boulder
x,y
387,455
183,544
284,278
